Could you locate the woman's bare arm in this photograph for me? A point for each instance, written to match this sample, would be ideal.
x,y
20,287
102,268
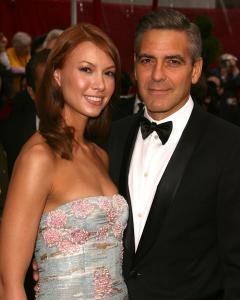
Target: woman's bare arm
x,y
29,188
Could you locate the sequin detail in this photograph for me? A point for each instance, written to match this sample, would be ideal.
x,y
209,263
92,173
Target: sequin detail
x,y
56,219
79,250
118,231
82,208
102,283
67,247
79,236
52,236
102,233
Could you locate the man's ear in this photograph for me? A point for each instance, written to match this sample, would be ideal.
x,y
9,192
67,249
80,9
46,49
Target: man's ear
x,y
197,70
135,61
57,76
31,93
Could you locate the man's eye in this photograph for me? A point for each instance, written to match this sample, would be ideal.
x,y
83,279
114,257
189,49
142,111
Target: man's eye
x,y
174,62
85,69
145,60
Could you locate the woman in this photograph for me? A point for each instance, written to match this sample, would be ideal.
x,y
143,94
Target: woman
x,y
60,194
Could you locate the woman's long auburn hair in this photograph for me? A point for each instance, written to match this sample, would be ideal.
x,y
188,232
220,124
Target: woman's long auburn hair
x,y
50,100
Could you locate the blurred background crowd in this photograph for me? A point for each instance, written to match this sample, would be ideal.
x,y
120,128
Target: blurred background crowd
x,y
26,43
23,57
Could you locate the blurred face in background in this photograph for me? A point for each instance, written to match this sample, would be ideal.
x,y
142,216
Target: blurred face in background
x,y
38,78
3,42
23,50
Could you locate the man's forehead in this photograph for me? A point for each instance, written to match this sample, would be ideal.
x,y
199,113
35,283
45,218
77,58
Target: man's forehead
x,y
162,42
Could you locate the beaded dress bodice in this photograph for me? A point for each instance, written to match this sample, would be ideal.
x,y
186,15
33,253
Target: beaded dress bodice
x,y
79,250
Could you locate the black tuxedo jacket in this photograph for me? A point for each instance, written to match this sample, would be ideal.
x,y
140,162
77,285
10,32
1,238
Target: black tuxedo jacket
x,y
190,246
123,107
18,128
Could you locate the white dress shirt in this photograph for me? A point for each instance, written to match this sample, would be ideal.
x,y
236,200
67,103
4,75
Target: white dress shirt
x,y
37,122
149,161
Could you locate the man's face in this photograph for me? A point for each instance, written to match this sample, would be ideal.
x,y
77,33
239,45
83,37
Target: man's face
x,y
3,42
164,71
39,71
23,50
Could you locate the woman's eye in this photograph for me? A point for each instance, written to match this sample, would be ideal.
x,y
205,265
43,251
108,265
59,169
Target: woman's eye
x,y
110,73
85,69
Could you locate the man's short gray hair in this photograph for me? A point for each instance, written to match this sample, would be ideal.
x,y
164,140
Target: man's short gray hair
x,y
21,39
52,34
170,19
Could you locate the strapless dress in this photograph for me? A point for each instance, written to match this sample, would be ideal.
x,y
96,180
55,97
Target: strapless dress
x,y
79,250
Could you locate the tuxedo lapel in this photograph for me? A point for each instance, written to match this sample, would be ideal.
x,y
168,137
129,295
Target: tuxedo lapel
x,y
123,183
170,181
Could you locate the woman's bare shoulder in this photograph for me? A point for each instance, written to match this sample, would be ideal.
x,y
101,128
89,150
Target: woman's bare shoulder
x,y
36,153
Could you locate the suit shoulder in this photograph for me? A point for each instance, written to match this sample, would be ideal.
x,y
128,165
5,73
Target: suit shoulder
x,y
215,125
224,128
123,123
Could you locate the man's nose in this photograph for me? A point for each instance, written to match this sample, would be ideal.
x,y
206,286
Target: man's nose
x,y
158,72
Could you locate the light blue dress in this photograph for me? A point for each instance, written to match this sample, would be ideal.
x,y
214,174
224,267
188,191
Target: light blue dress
x,y
79,250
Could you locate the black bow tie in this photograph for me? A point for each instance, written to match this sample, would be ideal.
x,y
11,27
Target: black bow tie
x,y
163,130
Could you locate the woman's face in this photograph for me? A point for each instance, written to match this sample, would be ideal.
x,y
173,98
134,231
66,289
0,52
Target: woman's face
x,y
87,80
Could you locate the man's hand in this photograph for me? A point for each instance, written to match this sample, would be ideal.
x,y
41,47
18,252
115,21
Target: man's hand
x,y
35,274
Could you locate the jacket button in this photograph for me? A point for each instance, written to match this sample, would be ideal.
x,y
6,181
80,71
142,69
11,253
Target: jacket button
x,y
134,274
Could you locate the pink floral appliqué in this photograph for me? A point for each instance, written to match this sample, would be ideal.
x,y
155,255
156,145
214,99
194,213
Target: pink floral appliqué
x,y
102,283
120,202
105,203
56,218
79,236
82,208
102,232
112,216
52,236
67,247
118,231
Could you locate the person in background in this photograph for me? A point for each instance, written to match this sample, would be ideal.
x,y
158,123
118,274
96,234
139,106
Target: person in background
x,y
61,197
178,167
51,38
19,53
37,44
23,120
229,75
3,54
21,124
128,102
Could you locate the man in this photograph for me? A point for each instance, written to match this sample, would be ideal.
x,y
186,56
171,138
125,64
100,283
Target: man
x,y
128,102
182,241
23,121
3,54
19,53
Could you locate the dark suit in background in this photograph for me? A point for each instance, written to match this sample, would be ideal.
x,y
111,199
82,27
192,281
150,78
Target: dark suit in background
x,y
17,129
